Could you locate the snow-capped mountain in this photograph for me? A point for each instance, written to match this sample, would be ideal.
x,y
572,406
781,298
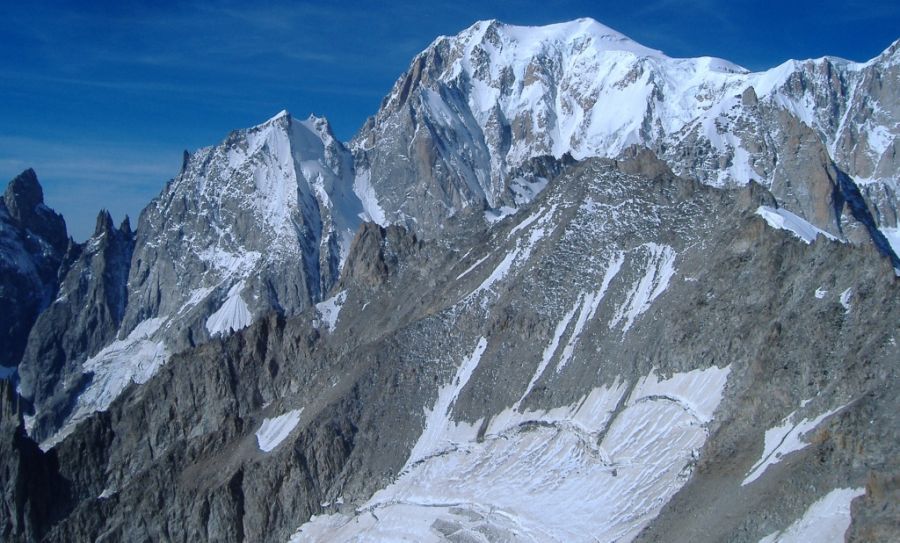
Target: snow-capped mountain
x,y
476,105
258,223
560,287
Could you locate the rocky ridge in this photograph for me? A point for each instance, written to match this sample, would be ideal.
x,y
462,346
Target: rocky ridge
x,y
33,245
81,321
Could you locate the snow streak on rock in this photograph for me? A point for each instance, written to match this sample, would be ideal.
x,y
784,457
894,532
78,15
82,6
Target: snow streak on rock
x,y
438,423
590,304
660,268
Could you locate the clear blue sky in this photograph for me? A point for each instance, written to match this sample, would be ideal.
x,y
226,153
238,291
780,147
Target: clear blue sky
x,y
101,100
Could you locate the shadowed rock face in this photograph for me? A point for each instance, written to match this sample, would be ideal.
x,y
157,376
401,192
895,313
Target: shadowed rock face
x,y
24,200
82,320
35,496
32,246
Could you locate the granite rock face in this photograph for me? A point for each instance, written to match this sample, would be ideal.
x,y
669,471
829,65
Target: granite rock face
x,y
35,496
613,334
33,243
82,320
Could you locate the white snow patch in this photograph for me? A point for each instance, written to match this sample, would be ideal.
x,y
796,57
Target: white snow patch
x,y
825,521
232,316
845,299
229,264
437,421
879,139
362,187
331,308
493,216
527,222
698,392
273,431
195,296
472,267
525,191
820,293
784,439
497,274
108,492
783,219
550,481
550,350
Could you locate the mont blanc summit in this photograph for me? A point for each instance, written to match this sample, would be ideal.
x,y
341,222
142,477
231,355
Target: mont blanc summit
x,y
560,286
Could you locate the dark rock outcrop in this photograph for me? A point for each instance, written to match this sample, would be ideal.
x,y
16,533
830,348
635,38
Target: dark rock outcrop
x,y
33,244
34,495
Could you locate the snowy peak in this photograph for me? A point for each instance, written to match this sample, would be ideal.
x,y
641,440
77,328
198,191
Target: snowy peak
x,y
282,169
280,115
268,196
475,107
257,224
527,41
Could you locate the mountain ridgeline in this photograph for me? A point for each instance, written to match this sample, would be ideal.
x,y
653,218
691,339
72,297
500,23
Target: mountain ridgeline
x,y
560,287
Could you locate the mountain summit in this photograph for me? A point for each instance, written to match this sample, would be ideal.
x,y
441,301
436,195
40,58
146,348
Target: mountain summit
x,y
473,108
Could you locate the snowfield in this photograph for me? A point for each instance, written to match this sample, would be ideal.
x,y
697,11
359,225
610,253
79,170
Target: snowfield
x,y
273,431
591,469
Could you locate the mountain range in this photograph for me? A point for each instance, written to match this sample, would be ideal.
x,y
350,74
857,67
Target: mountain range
x,y
560,287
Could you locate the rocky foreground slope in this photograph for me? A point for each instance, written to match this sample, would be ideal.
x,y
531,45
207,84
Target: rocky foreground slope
x,y
635,355
469,325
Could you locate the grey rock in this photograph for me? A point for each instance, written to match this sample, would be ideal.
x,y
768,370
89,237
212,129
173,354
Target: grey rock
x,y
34,495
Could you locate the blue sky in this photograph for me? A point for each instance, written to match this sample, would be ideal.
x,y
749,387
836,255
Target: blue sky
x,y
102,99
